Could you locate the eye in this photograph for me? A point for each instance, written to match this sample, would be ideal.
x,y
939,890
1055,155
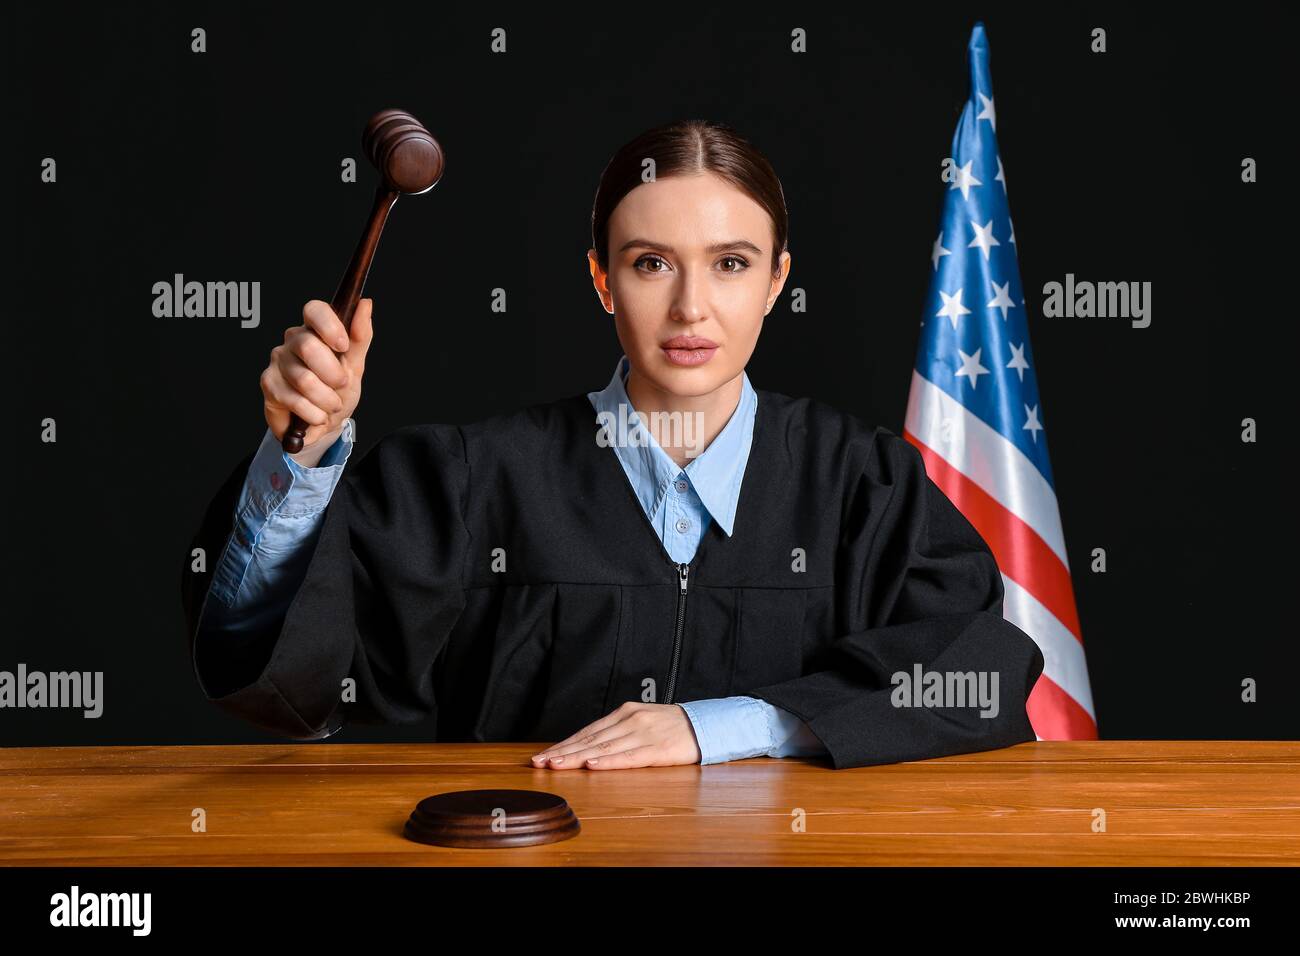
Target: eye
x,y
741,264
649,257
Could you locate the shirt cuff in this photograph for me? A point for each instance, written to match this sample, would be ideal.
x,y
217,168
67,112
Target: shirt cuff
x,y
273,474
272,477
793,736
730,728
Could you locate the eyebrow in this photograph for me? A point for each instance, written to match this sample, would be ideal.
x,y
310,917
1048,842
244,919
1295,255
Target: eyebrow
x,y
716,247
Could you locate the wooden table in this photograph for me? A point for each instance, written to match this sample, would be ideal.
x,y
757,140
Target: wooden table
x,y
1166,803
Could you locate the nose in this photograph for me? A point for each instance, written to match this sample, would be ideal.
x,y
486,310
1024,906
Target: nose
x,y
690,300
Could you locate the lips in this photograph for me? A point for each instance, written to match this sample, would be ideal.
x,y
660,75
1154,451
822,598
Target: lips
x,y
688,350
688,342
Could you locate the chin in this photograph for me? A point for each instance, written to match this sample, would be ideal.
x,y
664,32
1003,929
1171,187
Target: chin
x,y
691,382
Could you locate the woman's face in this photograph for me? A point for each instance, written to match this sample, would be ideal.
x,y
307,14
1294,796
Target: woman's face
x,y
689,280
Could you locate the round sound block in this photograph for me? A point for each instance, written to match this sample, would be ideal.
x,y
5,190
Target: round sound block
x,y
492,818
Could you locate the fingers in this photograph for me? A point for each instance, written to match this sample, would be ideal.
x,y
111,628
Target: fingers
x,y
321,318
597,742
282,396
589,732
635,735
305,381
351,342
360,334
315,355
645,755
580,755
345,347
316,373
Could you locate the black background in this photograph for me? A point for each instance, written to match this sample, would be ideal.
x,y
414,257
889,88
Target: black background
x,y
224,166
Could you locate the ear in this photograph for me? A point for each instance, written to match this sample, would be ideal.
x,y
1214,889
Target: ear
x,y
600,279
778,281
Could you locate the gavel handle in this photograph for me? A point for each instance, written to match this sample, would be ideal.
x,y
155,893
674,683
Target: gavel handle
x,y
349,292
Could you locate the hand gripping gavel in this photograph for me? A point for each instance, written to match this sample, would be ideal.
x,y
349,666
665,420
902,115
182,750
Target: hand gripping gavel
x,y
410,161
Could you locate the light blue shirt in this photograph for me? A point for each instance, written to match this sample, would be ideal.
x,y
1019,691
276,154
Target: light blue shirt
x,y
282,504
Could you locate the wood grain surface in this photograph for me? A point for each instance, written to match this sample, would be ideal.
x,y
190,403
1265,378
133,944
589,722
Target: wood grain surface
x,y
1166,803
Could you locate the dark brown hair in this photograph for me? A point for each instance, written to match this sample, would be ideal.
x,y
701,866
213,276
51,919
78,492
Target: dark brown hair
x,y
683,148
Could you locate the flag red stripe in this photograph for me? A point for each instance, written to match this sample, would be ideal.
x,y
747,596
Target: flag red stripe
x,y
1055,715
1020,551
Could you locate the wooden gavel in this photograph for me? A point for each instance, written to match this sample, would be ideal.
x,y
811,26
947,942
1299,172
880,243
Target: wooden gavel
x,y
409,161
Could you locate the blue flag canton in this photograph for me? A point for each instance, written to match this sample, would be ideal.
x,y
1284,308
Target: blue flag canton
x,y
975,334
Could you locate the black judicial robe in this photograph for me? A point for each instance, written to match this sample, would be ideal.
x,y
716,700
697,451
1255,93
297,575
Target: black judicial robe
x,y
847,564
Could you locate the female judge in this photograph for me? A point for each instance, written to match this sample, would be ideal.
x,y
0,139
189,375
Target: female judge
x,y
676,568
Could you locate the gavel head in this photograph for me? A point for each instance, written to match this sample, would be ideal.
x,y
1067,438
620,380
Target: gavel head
x,y
404,152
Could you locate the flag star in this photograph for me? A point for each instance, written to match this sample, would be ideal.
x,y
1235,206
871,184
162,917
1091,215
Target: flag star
x,y
1032,424
987,112
1001,177
1012,226
983,238
971,367
964,180
1018,360
1002,300
952,307
938,252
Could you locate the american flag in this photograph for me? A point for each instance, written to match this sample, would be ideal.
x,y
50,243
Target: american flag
x,y
974,411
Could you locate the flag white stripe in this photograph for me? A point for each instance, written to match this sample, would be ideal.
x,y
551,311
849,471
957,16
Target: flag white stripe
x,y
980,453
1063,657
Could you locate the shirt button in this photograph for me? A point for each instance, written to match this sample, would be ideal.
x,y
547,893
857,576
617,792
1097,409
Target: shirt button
x,y
681,484
683,525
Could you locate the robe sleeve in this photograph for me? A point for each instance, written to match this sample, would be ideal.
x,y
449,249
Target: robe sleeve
x,y
926,586
382,592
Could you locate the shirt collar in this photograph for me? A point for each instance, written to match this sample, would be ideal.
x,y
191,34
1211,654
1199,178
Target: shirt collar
x,y
715,474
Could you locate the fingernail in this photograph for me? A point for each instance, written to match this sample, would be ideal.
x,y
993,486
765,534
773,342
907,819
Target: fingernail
x,y
593,761
557,760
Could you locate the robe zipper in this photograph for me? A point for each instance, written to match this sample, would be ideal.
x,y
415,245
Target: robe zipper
x,y
682,570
